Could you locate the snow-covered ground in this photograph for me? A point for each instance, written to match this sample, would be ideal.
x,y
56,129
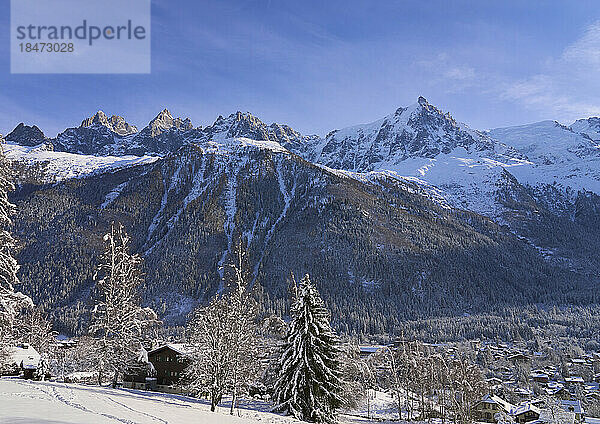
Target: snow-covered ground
x,y
34,402
62,166
23,401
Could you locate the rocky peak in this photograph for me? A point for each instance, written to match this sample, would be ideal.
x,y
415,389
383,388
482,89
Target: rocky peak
x,y
589,127
245,124
418,130
115,123
26,135
164,121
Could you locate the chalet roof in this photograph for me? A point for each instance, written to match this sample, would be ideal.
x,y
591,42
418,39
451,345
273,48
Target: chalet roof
x,y
179,348
571,406
524,408
522,391
538,374
370,348
25,356
506,406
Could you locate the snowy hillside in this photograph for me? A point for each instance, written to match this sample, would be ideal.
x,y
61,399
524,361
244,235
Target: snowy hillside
x,y
466,166
59,166
23,401
589,127
405,194
558,155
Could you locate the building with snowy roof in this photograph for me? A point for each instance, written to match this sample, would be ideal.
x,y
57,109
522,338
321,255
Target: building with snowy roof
x,y
22,359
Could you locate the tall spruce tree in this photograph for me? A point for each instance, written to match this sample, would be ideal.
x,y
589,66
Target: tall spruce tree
x,y
11,302
310,383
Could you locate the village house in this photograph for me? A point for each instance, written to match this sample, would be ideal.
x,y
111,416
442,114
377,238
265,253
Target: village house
x,y
22,359
368,350
573,406
486,409
519,358
167,364
539,376
525,413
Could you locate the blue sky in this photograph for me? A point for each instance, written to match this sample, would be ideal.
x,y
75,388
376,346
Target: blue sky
x,y
321,65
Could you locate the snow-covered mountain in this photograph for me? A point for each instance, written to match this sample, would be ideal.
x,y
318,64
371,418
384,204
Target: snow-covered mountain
x,y
115,123
589,127
401,213
40,164
26,135
419,130
558,155
102,136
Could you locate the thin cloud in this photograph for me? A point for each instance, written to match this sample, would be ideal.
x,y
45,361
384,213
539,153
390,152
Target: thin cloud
x,y
569,86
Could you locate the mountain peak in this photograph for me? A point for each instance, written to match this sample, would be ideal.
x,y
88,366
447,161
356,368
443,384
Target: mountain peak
x,y
115,123
164,121
589,127
26,135
419,130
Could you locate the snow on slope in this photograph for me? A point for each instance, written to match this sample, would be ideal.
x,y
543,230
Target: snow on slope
x,y
557,155
62,166
25,401
460,166
589,127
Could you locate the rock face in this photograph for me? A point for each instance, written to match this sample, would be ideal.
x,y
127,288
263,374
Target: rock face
x,y
26,135
100,135
380,251
589,127
419,130
115,123
164,121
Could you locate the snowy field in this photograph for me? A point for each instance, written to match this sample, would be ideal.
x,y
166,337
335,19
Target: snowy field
x,y
23,401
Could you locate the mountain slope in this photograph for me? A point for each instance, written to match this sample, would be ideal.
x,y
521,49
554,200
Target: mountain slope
x,y
423,215
380,252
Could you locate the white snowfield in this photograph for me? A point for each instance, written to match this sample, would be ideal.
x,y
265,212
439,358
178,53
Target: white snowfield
x,y
35,402
63,166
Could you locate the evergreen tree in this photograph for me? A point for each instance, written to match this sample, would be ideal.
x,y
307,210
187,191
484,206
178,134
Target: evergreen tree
x,y
310,383
119,323
11,302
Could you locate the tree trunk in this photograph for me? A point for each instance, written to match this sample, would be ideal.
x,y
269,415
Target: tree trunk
x,y
233,400
215,399
115,379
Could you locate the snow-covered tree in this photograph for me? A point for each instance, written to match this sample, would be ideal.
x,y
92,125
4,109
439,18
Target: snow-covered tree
x,y
32,327
243,327
11,302
310,383
223,340
119,323
359,377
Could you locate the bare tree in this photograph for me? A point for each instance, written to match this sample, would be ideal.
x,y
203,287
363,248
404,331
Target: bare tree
x,y
223,339
119,323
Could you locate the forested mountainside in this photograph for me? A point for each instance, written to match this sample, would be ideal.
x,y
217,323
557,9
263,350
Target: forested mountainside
x,y
434,222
